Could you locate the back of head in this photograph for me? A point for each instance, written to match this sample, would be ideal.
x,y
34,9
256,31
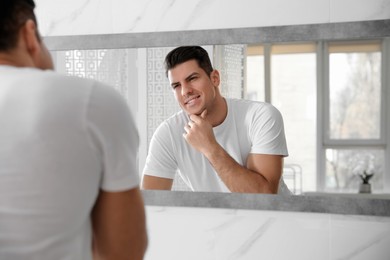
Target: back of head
x,y
186,53
13,14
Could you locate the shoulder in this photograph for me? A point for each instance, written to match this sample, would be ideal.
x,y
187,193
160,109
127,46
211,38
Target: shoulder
x,y
54,77
176,120
98,101
51,80
83,88
250,107
69,82
172,126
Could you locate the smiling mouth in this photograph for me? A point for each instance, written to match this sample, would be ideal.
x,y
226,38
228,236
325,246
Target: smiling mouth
x,y
191,99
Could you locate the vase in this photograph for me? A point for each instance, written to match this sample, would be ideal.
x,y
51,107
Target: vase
x,y
365,188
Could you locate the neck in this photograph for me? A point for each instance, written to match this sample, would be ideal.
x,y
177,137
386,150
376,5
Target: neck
x,y
218,112
6,60
14,59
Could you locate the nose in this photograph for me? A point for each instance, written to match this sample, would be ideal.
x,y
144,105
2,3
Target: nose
x,y
186,89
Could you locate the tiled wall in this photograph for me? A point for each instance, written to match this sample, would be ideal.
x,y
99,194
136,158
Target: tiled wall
x,y
79,17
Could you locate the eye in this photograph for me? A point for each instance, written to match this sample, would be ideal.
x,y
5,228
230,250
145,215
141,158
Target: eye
x,y
175,86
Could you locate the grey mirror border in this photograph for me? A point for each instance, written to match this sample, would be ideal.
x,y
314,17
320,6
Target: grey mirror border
x,y
348,204
256,35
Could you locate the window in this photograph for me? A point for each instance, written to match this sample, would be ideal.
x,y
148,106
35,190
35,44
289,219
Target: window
x,y
285,75
254,80
333,100
293,92
353,140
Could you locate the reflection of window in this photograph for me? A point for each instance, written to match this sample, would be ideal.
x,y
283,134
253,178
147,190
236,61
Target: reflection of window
x,y
333,104
344,165
353,138
254,81
293,92
285,75
354,91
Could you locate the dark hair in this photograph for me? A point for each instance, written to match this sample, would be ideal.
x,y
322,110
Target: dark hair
x,y
186,53
13,15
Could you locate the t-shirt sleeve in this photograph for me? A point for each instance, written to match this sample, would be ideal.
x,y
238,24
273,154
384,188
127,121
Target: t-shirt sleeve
x,y
267,132
114,137
161,161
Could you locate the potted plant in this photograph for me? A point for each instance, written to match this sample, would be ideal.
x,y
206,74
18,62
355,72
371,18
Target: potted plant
x,y
365,186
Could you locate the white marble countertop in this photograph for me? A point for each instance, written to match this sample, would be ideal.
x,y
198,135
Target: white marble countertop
x,y
214,226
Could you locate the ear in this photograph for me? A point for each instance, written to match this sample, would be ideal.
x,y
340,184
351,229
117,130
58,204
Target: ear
x,y
30,36
215,78
34,47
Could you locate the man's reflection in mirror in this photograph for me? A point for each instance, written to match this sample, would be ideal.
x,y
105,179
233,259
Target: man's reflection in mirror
x,y
216,144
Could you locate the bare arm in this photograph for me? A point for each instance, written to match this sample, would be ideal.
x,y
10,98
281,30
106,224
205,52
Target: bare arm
x,y
119,228
156,183
261,173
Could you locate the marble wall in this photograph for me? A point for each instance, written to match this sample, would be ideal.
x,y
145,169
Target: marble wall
x,y
80,17
178,233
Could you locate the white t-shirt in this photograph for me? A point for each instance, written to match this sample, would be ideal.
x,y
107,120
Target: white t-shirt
x,y
250,127
62,139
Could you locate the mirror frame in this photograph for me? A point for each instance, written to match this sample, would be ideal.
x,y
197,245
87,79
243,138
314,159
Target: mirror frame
x,y
358,30
254,35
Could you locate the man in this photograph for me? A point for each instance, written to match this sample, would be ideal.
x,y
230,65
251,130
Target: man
x,y
69,188
217,144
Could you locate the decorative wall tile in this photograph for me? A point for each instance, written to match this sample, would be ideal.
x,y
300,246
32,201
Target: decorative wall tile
x,y
108,66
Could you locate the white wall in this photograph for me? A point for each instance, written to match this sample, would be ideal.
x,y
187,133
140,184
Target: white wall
x,y
79,17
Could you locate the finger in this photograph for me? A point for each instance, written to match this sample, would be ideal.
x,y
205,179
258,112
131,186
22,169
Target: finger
x,y
187,129
196,119
199,118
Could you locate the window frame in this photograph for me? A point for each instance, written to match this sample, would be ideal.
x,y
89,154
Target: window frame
x,y
324,141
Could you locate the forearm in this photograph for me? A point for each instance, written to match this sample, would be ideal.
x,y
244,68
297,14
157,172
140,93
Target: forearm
x,y
119,226
260,174
236,177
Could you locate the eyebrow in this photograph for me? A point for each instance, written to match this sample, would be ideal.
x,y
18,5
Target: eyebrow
x,y
186,79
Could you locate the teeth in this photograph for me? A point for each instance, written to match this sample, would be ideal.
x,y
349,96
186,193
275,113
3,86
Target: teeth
x,y
192,99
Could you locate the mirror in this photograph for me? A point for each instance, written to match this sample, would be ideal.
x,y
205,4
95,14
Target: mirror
x,y
133,63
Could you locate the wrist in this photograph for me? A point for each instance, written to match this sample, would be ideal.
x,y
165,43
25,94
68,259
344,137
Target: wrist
x,y
213,151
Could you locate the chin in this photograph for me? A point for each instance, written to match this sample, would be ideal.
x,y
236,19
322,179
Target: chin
x,y
197,112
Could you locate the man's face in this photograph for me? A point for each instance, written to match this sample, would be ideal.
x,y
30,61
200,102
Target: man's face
x,y
194,89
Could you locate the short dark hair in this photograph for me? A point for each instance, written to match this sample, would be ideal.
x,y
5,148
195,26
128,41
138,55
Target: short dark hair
x,y
185,53
13,15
